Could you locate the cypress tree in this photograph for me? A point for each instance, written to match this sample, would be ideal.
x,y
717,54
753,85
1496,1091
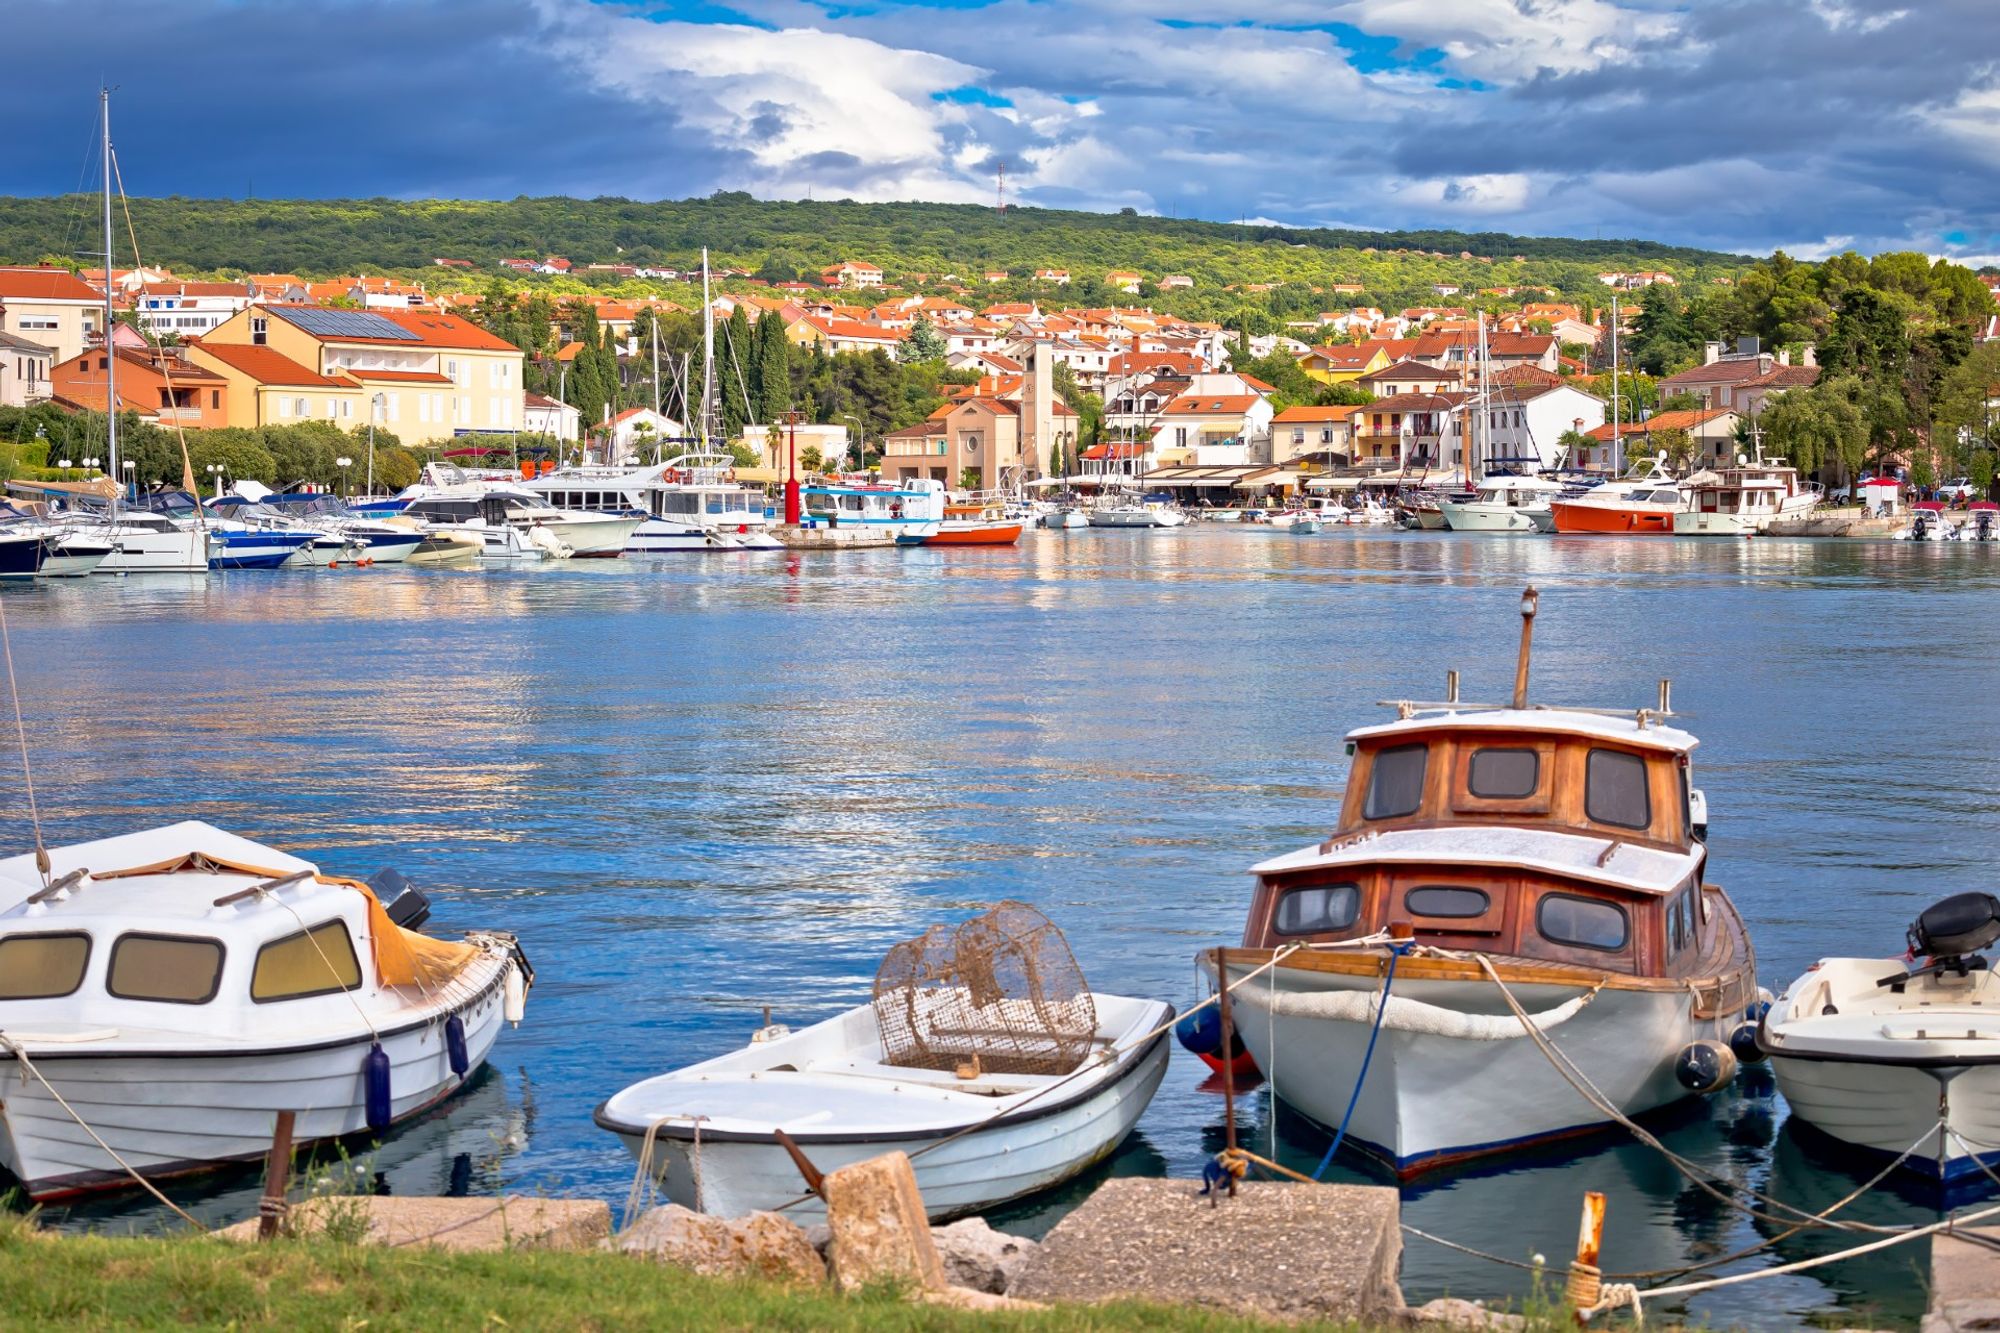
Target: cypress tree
x,y
774,373
733,363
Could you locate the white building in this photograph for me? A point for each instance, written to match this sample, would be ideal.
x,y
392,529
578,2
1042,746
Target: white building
x,y
189,309
1525,422
635,434
546,416
24,371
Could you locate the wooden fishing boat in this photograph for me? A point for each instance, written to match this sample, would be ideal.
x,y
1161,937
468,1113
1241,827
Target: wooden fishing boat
x,y
165,994
999,1078
1489,856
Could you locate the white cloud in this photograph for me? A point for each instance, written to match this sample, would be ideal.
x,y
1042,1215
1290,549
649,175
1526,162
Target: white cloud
x,y
1513,39
1500,192
1973,120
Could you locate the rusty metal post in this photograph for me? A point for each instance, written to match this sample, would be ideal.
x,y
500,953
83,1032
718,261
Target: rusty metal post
x,y
1586,1280
1228,1063
1530,599
277,1177
815,1181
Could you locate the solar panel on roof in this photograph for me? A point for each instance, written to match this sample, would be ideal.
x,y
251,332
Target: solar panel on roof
x,y
350,324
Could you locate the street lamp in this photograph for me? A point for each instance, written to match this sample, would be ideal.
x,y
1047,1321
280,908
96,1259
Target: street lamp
x,y
90,464
216,470
343,463
131,480
860,442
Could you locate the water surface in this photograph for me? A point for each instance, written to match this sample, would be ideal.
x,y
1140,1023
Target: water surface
x,y
703,785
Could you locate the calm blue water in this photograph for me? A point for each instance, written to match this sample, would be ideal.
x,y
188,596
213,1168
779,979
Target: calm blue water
x,y
700,786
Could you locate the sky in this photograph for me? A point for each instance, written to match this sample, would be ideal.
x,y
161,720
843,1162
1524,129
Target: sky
x,y
1745,125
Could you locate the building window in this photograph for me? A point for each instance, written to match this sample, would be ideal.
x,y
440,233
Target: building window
x,y
259,332
215,398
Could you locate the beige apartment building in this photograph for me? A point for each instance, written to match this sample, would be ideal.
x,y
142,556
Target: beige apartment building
x,y
52,307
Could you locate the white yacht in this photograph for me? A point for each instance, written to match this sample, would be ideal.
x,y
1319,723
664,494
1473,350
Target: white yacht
x,y
1743,500
895,510
146,543
692,502
447,496
1136,513
1503,504
175,989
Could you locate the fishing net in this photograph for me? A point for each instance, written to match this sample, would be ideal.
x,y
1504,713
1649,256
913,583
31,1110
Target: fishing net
x,y
1002,987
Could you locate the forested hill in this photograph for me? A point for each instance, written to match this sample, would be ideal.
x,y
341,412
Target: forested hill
x,y
323,237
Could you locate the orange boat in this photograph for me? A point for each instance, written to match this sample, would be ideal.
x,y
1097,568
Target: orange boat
x,y
1642,507
974,525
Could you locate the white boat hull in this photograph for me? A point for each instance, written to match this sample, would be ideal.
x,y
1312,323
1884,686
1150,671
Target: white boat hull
x,y
174,1114
1475,517
1885,1109
143,551
1429,1099
1136,518
663,536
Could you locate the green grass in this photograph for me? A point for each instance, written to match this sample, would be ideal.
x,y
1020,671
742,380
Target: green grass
x,y
95,1282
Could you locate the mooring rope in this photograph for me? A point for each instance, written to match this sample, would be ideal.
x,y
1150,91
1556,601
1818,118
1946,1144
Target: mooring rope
x,y
20,1054
1396,952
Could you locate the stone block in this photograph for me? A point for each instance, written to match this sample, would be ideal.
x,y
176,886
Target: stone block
x,y
879,1230
764,1245
1320,1252
978,1257
512,1222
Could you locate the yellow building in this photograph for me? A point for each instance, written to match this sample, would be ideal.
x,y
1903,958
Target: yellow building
x,y
1343,365
50,306
266,388
427,377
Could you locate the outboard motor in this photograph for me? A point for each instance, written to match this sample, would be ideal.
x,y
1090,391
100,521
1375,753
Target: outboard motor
x,y
1920,528
400,899
1962,924
1983,525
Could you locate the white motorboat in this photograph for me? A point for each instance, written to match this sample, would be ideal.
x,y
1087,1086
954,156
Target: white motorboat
x,y
144,543
181,986
994,1093
1928,523
1137,514
343,534
448,495
1366,511
1503,504
22,552
1744,500
1065,518
1888,1056
1552,855
692,502
1982,523
66,552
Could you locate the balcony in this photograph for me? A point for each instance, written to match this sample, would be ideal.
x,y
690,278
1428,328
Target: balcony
x,y
182,414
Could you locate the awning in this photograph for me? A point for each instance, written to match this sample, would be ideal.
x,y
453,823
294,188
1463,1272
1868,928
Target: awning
x,y
762,476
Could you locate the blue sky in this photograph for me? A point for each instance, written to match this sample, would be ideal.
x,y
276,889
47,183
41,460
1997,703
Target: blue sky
x,y
1810,125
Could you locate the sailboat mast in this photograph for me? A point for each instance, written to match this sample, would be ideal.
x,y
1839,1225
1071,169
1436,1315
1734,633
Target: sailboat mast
x,y
1617,454
707,350
110,352
1482,434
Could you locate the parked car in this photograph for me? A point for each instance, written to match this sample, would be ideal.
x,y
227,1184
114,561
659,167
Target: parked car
x,y
1958,490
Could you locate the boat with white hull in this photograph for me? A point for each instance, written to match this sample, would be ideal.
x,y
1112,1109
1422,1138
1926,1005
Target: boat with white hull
x,y
983,1056
826,1088
1744,500
1887,1056
1504,504
1137,515
447,495
181,986
143,543
691,502
1551,854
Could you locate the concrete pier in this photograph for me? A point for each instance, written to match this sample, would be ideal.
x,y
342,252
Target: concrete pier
x,y
832,539
1850,522
1320,1252
1965,1282
511,1222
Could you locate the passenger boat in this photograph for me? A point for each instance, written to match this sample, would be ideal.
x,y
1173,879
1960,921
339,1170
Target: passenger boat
x,y
892,511
980,523
1502,504
691,502
1744,500
1928,523
1889,1054
1633,505
1487,856
998,1081
181,986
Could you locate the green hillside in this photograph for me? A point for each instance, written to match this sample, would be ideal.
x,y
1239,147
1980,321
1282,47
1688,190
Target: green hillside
x,y
777,239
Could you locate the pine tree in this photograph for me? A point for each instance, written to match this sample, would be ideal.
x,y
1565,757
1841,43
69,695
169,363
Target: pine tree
x,y
774,375
733,365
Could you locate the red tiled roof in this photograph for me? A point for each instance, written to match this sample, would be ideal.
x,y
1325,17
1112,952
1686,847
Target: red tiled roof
x,y
268,366
46,284
1208,404
1683,420
399,376
1335,412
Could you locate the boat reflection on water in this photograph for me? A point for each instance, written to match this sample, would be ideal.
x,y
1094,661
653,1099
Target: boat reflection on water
x,y
460,1148
1034,1215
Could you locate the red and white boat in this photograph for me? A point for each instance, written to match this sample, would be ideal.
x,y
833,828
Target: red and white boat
x,y
1632,505
973,525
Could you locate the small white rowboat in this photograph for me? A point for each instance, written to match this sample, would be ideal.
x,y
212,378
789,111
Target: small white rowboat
x,y
991,1138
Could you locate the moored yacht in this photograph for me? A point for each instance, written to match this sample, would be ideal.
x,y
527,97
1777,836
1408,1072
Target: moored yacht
x,y
1643,504
1503,503
447,495
1488,857
692,502
889,511
1743,500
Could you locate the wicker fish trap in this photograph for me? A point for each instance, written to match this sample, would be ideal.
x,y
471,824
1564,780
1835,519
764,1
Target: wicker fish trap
x,y
1002,987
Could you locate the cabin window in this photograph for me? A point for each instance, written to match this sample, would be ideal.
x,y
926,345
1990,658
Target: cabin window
x,y
1439,900
1503,775
1680,924
1586,923
319,961
1615,792
42,967
1396,782
1323,907
174,969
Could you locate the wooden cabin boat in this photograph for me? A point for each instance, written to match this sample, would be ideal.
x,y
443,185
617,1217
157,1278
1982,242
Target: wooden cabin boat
x,y
1562,848
983,523
1744,500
